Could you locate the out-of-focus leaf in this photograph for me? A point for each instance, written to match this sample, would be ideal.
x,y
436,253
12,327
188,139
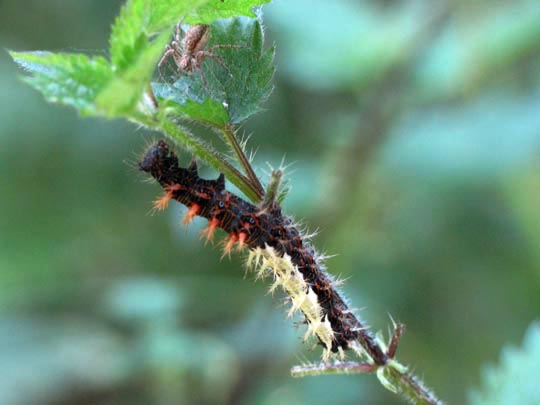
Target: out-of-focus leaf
x,y
42,359
515,379
482,139
144,300
341,44
496,39
523,193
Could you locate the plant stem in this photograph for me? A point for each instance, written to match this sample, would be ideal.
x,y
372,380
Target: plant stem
x,y
410,387
342,367
234,145
396,377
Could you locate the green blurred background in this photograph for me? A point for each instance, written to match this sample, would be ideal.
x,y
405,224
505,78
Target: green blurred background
x,y
414,128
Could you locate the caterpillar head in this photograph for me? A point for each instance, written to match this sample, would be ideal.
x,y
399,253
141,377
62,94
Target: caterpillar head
x,y
158,160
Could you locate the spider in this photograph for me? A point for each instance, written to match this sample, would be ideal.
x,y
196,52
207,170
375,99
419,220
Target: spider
x,y
188,54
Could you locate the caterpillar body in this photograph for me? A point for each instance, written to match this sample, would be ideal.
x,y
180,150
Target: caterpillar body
x,y
276,246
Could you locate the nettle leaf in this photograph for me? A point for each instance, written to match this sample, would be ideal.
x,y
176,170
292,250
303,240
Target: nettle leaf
x,y
71,79
122,94
239,81
217,9
208,111
166,13
253,70
515,380
128,37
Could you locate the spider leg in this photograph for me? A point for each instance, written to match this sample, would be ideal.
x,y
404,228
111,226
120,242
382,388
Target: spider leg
x,y
217,58
178,35
164,60
225,47
203,76
194,66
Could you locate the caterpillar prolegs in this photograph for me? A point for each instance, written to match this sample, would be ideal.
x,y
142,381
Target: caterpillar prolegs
x,y
276,247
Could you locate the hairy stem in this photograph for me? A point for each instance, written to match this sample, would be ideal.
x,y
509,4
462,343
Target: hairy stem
x,y
410,387
342,367
394,376
234,145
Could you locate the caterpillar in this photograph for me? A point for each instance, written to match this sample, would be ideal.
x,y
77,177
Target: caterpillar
x,y
276,247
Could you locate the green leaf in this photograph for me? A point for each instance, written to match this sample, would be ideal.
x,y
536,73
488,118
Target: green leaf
x,y
71,79
166,13
143,18
128,36
243,79
209,112
515,380
217,9
123,93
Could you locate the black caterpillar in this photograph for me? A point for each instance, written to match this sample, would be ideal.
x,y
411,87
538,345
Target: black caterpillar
x,y
256,227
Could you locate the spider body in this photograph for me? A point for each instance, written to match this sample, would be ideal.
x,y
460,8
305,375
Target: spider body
x,y
189,53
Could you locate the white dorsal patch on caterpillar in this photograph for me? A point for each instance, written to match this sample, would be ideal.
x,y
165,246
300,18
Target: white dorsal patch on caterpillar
x,y
268,263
